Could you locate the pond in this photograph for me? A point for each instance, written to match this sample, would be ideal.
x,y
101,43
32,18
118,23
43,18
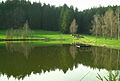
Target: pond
x,y
27,61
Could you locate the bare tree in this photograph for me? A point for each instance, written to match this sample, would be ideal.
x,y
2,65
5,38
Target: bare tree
x,y
26,30
107,25
26,26
117,12
73,27
109,19
102,26
96,25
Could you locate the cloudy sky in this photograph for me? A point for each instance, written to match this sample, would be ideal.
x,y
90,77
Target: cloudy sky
x,y
81,4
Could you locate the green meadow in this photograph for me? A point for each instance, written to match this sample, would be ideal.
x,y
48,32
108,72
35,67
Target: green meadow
x,y
69,39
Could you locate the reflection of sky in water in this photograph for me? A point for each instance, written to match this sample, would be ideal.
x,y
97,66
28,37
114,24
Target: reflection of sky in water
x,y
75,75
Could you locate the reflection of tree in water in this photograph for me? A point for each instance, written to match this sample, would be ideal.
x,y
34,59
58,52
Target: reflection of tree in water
x,y
106,58
41,59
50,58
24,48
73,51
98,57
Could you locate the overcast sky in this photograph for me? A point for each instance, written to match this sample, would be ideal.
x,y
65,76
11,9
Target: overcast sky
x,y
81,4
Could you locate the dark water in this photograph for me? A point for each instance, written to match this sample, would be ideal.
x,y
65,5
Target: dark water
x,y
37,62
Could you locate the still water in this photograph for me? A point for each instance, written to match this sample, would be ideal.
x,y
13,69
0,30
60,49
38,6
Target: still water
x,y
39,62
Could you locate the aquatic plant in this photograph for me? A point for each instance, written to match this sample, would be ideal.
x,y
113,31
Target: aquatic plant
x,y
113,76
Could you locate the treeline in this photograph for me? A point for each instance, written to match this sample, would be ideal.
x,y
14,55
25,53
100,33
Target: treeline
x,y
107,24
14,14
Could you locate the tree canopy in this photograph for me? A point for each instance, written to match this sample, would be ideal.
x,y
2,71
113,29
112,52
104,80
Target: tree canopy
x,y
14,13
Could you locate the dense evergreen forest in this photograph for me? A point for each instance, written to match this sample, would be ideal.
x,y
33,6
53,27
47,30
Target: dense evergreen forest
x,y
14,13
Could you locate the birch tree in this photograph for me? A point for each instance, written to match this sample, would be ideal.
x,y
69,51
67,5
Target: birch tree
x,y
96,25
117,13
73,27
109,20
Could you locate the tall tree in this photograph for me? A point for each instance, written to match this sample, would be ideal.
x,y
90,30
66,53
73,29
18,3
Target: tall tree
x,y
117,12
73,27
109,19
96,25
66,18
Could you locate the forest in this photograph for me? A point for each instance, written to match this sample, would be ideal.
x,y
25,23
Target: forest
x,y
78,42
102,21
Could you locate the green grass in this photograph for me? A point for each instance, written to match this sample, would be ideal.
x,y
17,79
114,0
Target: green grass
x,y
2,34
50,35
90,40
100,41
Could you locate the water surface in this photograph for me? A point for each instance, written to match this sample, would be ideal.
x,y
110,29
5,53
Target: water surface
x,y
39,62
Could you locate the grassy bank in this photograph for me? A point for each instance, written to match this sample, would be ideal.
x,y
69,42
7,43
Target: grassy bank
x,y
90,40
100,41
